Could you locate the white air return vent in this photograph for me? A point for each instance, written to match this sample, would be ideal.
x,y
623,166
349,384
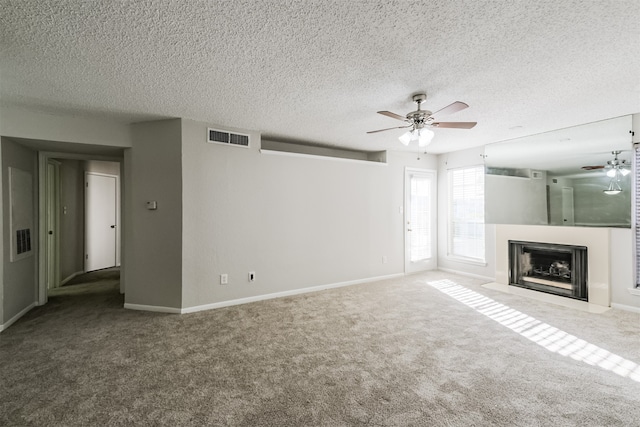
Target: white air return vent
x,y
218,136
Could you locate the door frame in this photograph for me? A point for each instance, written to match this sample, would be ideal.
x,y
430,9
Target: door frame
x,y
43,158
117,218
430,263
567,221
53,226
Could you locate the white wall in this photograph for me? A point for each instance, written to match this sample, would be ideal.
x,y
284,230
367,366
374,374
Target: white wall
x,y
515,200
454,160
297,221
622,268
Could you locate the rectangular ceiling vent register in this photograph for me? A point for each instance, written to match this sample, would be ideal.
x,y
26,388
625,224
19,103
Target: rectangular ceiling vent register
x,y
218,136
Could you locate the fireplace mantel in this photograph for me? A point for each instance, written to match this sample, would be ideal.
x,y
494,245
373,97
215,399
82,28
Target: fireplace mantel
x,y
597,241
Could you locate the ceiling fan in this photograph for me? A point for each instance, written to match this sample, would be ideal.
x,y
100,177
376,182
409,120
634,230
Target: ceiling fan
x,y
420,121
613,167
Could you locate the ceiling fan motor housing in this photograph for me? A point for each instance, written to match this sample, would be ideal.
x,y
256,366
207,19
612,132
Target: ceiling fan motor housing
x,y
419,118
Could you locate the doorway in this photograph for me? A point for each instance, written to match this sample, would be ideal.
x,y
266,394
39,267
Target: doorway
x,y
63,257
420,220
567,206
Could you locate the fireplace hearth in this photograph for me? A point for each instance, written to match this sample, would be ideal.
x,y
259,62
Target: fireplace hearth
x,y
551,268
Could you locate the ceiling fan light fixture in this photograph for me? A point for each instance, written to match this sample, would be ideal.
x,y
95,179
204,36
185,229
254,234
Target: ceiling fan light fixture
x,y
614,188
405,138
625,171
611,173
417,120
425,137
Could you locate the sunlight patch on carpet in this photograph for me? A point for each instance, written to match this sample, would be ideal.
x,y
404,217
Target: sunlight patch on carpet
x,y
547,336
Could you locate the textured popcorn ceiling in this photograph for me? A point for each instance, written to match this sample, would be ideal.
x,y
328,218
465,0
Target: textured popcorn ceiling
x,y
317,71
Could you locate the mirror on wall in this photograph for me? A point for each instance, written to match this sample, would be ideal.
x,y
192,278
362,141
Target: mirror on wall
x,y
560,177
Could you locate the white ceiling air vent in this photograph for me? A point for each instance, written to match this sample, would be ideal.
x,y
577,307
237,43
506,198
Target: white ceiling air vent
x,y
218,136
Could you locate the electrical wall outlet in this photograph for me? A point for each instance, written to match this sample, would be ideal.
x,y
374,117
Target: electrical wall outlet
x,y
252,276
224,279
384,259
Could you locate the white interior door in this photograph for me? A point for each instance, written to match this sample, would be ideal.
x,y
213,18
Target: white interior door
x,y
420,220
100,221
567,206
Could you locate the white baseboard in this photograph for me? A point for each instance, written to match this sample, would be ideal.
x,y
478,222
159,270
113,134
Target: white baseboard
x,y
286,293
154,308
256,298
463,273
17,316
77,273
625,307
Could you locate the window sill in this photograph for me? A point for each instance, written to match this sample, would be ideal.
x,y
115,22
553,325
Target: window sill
x,y
467,260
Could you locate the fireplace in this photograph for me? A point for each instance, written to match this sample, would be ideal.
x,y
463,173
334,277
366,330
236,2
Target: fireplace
x,y
551,268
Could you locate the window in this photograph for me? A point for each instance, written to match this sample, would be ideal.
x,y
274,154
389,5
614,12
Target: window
x,y
466,213
420,218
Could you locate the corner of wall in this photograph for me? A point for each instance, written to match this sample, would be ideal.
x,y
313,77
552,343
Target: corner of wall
x,y
152,252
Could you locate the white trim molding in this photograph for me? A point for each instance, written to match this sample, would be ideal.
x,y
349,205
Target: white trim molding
x,y
286,293
153,308
625,307
15,318
256,298
70,277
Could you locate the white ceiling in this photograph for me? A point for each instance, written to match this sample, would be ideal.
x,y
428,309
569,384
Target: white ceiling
x,y
317,71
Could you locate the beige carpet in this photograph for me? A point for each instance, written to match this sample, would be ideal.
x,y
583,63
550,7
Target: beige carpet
x,y
420,350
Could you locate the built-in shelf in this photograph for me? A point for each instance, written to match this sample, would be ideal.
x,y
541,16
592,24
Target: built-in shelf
x,y
301,150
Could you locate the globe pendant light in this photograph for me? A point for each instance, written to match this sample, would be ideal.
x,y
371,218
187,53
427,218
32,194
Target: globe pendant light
x,y
614,185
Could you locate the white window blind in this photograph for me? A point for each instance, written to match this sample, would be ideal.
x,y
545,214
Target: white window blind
x,y
466,213
636,208
420,218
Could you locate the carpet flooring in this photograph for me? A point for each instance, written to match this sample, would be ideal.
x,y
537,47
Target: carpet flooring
x,y
432,349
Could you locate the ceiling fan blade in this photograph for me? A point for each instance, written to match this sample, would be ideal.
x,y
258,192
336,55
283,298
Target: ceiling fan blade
x,y
452,108
455,125
590,168
393,115
382,130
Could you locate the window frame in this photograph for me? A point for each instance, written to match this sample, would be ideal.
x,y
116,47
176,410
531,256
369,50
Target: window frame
x,y
450,219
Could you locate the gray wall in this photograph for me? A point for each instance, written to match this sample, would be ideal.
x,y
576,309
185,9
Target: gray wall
x,y
153,259
71,217
99,166
297,221
19,277
21,123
